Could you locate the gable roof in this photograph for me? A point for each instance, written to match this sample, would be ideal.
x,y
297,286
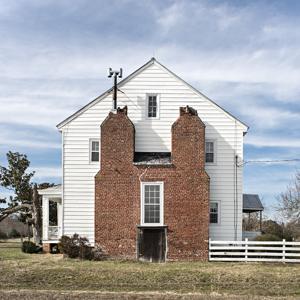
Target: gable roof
x,y
129,77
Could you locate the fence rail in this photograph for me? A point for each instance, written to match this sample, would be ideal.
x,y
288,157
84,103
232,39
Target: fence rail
x,y
279,251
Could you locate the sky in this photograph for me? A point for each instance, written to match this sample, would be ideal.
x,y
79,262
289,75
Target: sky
x,y
242,54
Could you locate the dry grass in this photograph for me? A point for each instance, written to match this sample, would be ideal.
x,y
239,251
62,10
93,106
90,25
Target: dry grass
x,y
37,274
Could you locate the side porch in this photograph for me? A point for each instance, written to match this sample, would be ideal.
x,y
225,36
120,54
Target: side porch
x,y
52,216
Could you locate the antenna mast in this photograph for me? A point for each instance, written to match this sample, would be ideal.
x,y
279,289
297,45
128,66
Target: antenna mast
x,y
115,74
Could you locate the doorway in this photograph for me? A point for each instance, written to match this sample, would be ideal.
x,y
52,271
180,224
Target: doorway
x,y
152,244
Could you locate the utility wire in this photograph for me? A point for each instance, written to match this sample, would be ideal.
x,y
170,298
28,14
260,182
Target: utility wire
x,y
268,161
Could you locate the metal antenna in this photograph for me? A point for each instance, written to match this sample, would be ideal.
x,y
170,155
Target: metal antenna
x,y
115,74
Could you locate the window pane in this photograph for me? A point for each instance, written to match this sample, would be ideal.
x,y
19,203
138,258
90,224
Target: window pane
x,y
152,204
53,213
209,147
209,152
214,212
209,157
152,213
95,156
95,146
152,106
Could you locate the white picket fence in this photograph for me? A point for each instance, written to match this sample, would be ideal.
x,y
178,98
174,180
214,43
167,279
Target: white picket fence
x,y
281,251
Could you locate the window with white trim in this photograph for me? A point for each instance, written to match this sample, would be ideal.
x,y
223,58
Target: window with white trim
x,y
214,213
94,150
152,203
210,152
152,106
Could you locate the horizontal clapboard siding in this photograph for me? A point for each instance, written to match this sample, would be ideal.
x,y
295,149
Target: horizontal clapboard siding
x,y
151,136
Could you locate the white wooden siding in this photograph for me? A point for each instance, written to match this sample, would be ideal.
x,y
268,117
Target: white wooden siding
x,y
151,135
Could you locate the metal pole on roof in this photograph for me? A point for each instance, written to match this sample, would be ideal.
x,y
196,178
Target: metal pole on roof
x,y
115,74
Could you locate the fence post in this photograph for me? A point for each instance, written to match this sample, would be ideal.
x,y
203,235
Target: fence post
x,y
209,256
246,249
283,250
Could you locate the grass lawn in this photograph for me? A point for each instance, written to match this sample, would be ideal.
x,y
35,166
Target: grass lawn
x,y
46,276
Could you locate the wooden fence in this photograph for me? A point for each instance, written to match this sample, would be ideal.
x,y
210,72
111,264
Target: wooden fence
x,y
281,251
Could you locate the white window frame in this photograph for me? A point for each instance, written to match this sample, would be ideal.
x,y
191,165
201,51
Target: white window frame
x,y
214,141
90,151
219,213
147,106
161,203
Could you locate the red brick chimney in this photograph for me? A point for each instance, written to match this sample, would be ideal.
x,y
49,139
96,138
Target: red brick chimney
x,y
117,141
188,140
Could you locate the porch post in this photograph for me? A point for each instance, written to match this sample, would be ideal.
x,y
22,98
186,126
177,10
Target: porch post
x,y
45,218
260,221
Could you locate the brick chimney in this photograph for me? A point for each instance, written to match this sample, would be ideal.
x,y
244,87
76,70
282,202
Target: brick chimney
x,y
117,141
188,140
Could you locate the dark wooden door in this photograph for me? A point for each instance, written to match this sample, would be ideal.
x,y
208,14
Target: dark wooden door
x,y
152,244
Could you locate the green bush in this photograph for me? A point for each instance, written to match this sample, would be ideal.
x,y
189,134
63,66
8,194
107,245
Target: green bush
x,y
30,247
75,247
267,237
3,235
14,234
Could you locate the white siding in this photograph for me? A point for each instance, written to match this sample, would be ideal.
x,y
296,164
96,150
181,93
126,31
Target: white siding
x,y
151,135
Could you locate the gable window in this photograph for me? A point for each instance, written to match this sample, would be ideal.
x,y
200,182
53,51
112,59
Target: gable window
x,y
152,106
94,150
214,213
152,203
210,151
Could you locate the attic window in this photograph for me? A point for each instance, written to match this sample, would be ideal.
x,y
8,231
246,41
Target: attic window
x,y
152,106
94,150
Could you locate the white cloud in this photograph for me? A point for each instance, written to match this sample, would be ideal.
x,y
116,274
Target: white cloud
x,y
272,141
46,172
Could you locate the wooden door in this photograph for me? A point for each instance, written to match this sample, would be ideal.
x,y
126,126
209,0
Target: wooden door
x,y
152,244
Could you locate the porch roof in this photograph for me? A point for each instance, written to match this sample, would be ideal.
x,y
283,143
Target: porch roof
x,y
252,203
53,191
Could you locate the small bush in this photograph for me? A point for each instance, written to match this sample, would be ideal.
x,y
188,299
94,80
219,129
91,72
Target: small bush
x,y
30,247
98,253
267,237
14,234
75,247
3,235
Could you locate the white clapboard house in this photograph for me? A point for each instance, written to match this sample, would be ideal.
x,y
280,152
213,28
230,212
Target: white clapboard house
x,y
73,202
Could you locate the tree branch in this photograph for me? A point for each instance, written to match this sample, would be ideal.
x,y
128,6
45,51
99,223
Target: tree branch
x,y
8,211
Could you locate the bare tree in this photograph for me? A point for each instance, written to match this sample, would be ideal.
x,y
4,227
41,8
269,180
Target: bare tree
x,y
288,202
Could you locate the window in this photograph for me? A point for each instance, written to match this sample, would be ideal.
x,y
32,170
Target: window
x,y
214,213
153,106
53,213
94,150
210,151
152,203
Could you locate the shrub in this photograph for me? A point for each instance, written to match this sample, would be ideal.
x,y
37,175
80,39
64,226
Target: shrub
x,y
30,247
267,237
75,247
3,235
98,253
14,234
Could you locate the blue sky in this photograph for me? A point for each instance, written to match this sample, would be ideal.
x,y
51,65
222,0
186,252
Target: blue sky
x,y
242,54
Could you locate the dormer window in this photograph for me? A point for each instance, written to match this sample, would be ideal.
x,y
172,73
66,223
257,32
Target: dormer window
x,y
152,106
